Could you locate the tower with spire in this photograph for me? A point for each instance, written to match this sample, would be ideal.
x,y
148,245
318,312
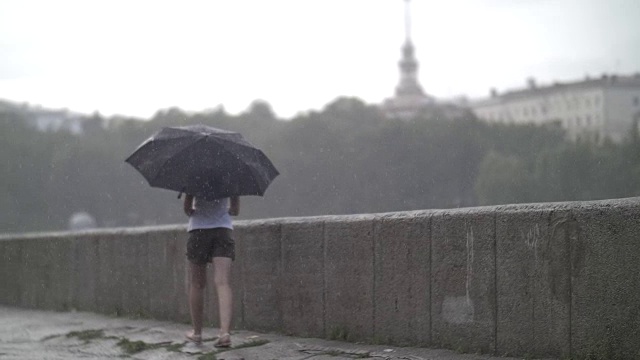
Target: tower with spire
x,y
409,99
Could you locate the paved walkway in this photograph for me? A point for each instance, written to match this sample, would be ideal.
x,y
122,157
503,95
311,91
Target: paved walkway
x,y
32,334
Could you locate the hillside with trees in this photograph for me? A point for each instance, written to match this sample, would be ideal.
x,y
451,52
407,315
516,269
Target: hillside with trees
x,y
347,158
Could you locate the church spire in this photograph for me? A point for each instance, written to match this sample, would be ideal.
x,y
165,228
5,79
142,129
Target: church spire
x,y
409,100
408,64
407,21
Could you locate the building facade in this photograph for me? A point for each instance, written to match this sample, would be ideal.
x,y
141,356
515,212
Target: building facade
x,y
44,119
605,107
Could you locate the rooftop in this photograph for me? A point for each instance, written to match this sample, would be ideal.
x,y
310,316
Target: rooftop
x,y
604,81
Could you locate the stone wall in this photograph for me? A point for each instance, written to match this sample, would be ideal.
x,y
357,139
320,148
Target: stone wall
x,y
560,279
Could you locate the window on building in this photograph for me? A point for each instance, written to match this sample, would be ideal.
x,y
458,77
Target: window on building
x,y
636,101
588,120
578,120
587,102
596,100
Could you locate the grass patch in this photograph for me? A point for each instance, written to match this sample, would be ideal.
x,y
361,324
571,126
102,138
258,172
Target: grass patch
x,y
174,347
208,356
49,338
337,352
132,347
252,343
140,314
340,333
116,312
349,354
128,346
248,344
87,335
333,352
352,355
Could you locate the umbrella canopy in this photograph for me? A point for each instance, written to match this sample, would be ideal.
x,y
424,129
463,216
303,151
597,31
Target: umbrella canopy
x,y
203,161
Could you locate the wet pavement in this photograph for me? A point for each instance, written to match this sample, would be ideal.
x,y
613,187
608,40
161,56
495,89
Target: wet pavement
x,y
34,334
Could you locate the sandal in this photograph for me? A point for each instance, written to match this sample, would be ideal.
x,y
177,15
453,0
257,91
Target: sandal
x,y
224,341
196,339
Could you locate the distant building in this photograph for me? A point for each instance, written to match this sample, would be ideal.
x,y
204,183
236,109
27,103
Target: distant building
x,y
56,120
409,100
594,107
45,119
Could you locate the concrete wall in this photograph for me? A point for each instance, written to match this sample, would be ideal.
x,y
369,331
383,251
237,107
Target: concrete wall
x,y
556,280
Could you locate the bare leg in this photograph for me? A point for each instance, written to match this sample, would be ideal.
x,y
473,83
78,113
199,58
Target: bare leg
x,y
222,270
197,283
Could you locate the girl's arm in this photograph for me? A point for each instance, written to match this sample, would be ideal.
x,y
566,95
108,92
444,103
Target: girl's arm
x,y
234,208
188,204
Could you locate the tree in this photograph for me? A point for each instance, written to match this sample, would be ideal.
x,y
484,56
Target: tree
x,y
346,158
503,179
260,110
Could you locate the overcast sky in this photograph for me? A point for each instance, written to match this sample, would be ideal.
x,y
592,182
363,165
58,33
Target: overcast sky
x,y
133,57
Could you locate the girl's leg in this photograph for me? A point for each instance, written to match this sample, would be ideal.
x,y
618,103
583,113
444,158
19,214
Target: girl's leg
x,y
222,270
197,283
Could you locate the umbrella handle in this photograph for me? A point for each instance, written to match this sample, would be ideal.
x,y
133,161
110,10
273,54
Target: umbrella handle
x,y
181,192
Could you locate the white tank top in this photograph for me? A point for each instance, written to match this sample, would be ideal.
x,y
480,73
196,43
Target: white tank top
x,y
210,214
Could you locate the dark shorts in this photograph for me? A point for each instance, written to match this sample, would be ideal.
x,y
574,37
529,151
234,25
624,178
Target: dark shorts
x,y
205,244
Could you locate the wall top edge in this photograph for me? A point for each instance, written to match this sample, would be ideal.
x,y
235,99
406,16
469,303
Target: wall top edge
x,y
97,231
389,216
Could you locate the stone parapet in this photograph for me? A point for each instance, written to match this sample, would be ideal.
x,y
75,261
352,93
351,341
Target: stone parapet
x,y
549,279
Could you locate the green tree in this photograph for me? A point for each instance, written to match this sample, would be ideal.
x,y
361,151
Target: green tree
x,y
503,179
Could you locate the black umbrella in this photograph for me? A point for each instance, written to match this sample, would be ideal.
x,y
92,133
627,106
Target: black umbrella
x,y
203,161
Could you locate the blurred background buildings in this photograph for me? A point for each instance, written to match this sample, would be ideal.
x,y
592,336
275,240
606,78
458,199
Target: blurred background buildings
x,y
594,108
604,107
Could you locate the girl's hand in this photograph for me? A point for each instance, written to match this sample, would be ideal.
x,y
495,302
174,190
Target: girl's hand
x,y
188,205
234,207
189,212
